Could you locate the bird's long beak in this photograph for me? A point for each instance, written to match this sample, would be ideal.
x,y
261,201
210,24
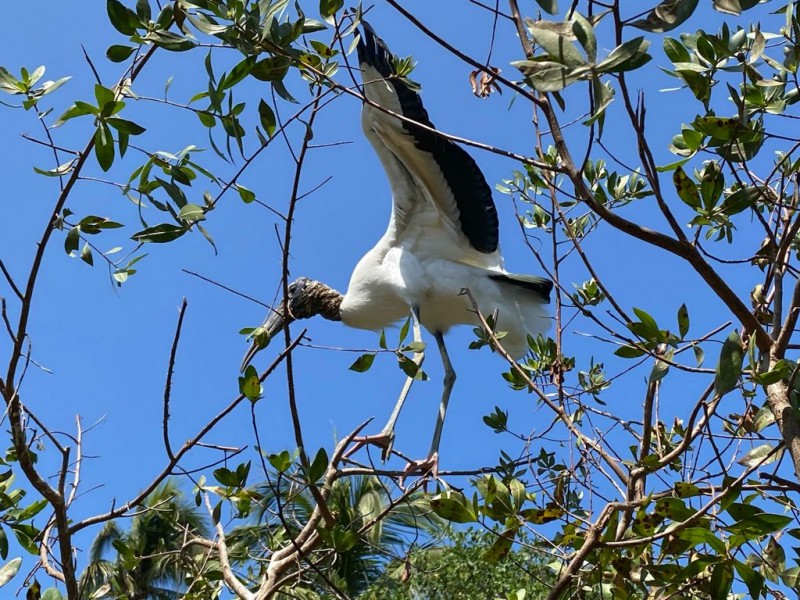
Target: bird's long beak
x,y
262,335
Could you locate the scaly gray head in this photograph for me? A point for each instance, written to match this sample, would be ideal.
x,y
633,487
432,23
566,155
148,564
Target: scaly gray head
x,y
306,298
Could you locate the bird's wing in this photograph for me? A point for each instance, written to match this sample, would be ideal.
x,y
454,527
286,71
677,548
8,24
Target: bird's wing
x,y
422,167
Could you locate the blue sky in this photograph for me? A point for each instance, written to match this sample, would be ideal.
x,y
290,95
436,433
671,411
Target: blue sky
x,y
108,347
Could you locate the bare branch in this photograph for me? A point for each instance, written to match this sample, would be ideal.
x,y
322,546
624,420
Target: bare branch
x,y
168,384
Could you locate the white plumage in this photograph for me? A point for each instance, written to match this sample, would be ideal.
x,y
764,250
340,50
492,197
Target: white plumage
x,y
442,238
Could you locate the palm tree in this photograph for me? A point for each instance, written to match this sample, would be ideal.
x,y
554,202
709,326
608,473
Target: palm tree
x,y
349,559
149,563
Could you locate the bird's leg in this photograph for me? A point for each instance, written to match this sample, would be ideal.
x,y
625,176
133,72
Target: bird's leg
x,y
385,439
431,464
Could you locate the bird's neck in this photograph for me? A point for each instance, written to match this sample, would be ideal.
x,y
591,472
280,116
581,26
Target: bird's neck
x,y
320,300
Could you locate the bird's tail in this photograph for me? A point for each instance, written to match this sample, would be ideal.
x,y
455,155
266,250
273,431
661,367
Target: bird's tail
x,y
539,286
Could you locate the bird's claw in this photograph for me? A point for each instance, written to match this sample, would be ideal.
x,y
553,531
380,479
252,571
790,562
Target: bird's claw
x,y
427,467
383,440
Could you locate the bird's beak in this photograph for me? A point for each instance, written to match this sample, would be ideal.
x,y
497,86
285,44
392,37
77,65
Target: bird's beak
x,y
262,335
276,320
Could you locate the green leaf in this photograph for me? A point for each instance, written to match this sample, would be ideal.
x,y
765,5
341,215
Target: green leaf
x,y
408,366
675,51
328,8
170,41
734,7
416,347
86,255
649,328
752,579
719,128
226,477
26,534
318,466
164,18
550,76
238,73
686,188
8,570
192,213
721,581
76,110
159,234
281,90
125,126
363,363
92,224
118,53
273,68
498,420
206,118
700,535
540,516
548,6
729,367
742,199
143,10
556,40
791,577
584,32
712,183
340,539
629,352
666,16
58,171
208,237
404,330
10,84
104,146
122,18
453,506
72,240
759,524
683,321
627,57
501,546
246,195
281,461
249,385
755,456
267,117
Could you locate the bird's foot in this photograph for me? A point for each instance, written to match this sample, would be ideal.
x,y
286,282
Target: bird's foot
x,y
383,440
427,467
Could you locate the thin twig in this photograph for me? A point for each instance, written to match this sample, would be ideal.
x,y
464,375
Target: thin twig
x,y
168,385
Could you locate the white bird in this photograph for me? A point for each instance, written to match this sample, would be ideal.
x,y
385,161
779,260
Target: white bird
x,y
442,238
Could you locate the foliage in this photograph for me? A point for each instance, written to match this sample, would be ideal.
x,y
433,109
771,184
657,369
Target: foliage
x,y
354,552
151,558
669,462
457,570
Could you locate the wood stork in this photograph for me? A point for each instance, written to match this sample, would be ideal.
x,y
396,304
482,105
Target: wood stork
x,y
442,238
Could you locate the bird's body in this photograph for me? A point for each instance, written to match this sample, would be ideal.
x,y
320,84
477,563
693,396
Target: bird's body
x,y
442,236
399,274
442,239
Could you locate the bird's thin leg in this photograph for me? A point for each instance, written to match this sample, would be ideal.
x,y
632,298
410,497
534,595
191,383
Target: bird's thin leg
x,y
418,358
385,439
431,464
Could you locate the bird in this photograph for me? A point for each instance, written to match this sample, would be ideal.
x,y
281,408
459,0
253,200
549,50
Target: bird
x,y
442,239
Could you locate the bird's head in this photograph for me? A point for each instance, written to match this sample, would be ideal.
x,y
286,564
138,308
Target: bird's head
x,y
305,298
296,301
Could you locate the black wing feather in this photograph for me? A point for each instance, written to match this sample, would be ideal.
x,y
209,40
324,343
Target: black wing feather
x,y
538,285
473,196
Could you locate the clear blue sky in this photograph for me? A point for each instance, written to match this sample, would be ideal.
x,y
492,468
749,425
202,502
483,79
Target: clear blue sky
x,y
108,347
